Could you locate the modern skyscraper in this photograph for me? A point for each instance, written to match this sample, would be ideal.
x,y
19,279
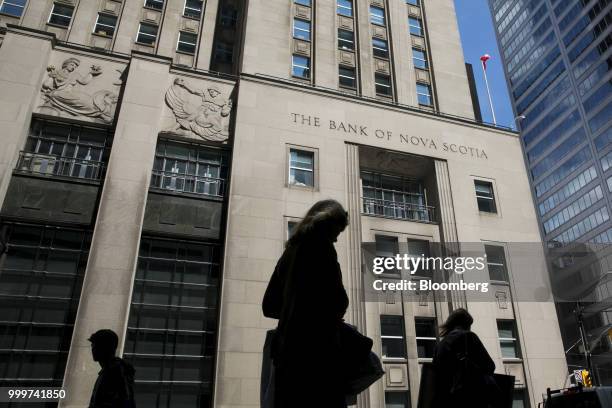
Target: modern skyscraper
x,y
557,58
156,154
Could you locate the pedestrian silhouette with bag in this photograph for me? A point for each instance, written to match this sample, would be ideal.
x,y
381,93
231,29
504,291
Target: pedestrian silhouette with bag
x,y
308,298
463,369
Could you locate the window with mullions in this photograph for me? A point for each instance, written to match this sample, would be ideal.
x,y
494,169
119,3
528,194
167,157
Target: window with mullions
x,y
301,167
508,340
346,39
382,83
424,95
300,67
172,327
426,337
418,248
189,168
397,399
496,263
154,4
224,52
416,26
193,8
60,149
387,247
393,336
13,7
419,58
187,42
147,34
105,25
61,15
485,196
346,77
395,197
345,8
381,48
377,15
40,287
301,29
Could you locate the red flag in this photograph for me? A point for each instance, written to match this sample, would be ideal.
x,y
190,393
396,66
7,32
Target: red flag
x,y
484,60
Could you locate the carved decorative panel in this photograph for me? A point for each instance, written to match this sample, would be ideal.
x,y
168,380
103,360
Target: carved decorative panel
x,y
381,65
302,12
301,47
190,25
380,32
151,16
422,75
418,42
396,375
345,22
378,3
100,42
414,11
347,58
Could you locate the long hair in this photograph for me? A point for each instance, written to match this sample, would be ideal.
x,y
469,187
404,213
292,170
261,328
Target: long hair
x,y
458,319
322,216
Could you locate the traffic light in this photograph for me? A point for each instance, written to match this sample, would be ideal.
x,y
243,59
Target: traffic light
x,y
586,379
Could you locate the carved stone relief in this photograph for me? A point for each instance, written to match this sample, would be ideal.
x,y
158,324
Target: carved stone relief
x,y
199,112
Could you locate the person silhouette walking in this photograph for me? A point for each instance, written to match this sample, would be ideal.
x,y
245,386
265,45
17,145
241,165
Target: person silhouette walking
x,y
114,387
308,298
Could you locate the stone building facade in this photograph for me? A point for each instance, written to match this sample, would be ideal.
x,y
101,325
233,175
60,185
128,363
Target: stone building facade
x,y
155,155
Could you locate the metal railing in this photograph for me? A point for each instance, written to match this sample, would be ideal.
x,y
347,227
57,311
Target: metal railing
x,y
186,183
50,165
398,210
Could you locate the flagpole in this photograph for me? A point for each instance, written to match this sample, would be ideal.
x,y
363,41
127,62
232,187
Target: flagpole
x,y
484,71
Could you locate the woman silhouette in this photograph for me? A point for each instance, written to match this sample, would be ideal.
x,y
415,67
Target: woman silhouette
x,y
463,368
306,295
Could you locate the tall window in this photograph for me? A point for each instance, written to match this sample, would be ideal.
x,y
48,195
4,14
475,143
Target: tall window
x,y
193,8
383,84
346,77
424,95
387,247
425,336
105,25
224,52
377,15
13,7
496,262
189,168
416,26
346,39
172,326
154,4
59,149
40,287
301,167
508,341
419,58
61,15
301,29
484,196
397,399
147,34
380,47
393,336
345,8
395,197
519,398
300,67
187,42
419,248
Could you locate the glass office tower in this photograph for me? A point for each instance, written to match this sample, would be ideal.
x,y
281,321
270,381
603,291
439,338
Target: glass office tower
x,y
557,60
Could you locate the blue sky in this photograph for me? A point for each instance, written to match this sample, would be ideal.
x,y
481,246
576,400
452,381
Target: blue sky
x,y
478,38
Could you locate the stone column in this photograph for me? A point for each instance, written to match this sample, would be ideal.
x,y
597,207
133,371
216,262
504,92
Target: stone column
x,y
449,234
108,282
355,289
23,61
325,45
363,41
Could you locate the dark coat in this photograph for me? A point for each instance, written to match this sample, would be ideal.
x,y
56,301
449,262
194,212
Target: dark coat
x,y
308,298
114,387
448,369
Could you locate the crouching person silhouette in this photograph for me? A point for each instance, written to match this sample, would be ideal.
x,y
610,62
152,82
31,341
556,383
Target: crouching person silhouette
x,y
308,298
114,387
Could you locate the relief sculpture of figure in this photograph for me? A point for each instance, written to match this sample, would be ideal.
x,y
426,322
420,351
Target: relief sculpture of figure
x,y
63,91
207,118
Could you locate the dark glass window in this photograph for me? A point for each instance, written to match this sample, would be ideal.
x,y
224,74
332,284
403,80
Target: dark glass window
x,y
147,34
426,337
419,58
105,25
224,52
40,287
300,67
61,15
60,149
346,76
172,325
519,398
13,7
154,4
346,39
395,197
397,399
187,42
383,84
345,8
189,168
377,15
387,247
193,8
496,262
381,48
485,196
301,29
508,339
392,336
416,26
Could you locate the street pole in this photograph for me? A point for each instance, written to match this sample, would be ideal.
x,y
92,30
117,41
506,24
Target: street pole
x,y
585,343
484,71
